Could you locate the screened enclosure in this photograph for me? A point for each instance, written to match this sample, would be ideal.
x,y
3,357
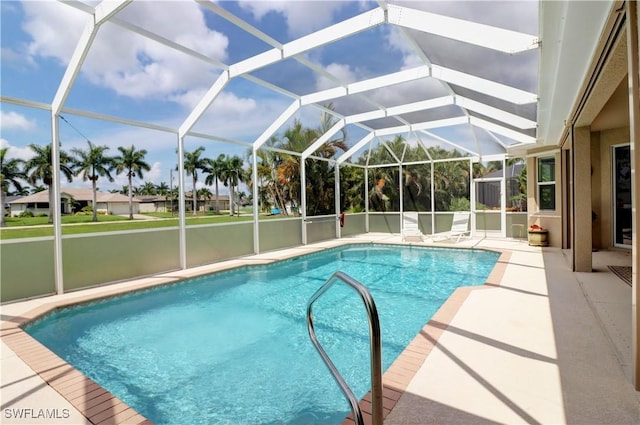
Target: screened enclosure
x,y
370,109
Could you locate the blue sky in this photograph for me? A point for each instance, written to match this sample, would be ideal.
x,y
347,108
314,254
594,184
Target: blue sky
x,y
129,76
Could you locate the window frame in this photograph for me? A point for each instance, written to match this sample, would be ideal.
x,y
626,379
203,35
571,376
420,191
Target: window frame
x,y
540,184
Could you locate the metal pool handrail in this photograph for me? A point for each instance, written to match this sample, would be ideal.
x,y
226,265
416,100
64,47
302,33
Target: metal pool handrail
x,y
375,342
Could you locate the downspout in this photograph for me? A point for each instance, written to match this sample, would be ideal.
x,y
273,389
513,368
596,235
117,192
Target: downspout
x,y
433,202
303,199
337,198
256,226
366,199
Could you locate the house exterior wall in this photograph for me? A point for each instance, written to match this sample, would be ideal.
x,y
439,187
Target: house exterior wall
x,y
151,207
17,209
121,208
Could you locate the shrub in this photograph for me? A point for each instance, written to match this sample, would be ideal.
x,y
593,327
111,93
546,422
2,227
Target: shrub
x,y
26,213
459,204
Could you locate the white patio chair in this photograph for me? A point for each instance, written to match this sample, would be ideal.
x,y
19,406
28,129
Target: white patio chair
x,y
459,228
411,227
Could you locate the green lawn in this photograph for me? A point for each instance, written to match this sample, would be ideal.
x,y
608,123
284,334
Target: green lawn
x,y
33,227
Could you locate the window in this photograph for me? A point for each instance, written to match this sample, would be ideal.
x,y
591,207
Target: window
x,y
547,183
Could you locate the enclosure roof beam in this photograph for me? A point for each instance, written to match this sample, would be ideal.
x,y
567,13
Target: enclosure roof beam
x,y
401,109
495,113
323,139
422,126
103,117
515,135
276,124
223,13
204,103
303,44
482,85
101,13
218,139
355,148
457,29
455,145
166,42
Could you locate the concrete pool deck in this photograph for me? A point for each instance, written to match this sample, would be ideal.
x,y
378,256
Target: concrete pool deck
x,y
537,344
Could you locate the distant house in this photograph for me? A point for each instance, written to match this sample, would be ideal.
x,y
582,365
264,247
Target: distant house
x,y
73,200
155,203
159,203
7,200
208,204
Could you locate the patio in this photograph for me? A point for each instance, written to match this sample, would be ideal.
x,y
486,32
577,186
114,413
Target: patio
x,y
537,344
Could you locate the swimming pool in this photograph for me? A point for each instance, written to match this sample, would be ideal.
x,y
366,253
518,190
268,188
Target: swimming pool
x,y
233,348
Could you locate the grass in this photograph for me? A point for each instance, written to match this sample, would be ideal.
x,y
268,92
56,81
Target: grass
x,y
34,227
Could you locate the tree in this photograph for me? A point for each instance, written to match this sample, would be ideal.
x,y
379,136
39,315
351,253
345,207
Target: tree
x,y
232,174
132,162
214,169
148,188
205,194
270,191
10,174
40,167
192,164
162,189
93,164
296,139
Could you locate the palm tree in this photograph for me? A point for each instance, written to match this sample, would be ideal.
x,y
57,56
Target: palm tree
x,y
232,174
296,139
93,164
268,176
131,161
214,170
205,194
40,167
21,192
192,163
10,173
162,189
148,188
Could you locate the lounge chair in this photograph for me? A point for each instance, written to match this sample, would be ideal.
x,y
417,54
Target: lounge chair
x,y
459,228
411,228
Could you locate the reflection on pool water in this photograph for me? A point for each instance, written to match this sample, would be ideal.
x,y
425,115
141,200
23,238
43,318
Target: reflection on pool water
x,y
233,347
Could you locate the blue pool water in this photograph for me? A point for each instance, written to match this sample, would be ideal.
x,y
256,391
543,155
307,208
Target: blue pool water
x,y
233,347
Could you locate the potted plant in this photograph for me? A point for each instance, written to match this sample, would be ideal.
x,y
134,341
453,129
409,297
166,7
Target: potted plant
x,y
538,235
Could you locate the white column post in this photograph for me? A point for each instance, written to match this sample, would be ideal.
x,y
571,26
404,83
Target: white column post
x,y
181,201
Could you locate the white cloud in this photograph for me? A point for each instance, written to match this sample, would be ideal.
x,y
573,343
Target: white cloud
x,y
303,17
18,152
226,103
240,118
396,41
342,72
123,61
14,120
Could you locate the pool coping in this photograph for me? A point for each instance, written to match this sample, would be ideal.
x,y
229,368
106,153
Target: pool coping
x,y
99,406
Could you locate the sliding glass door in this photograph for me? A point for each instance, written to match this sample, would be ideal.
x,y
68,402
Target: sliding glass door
x,y
622,196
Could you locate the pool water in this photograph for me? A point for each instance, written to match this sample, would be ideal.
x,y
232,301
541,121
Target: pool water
x,y
233,347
